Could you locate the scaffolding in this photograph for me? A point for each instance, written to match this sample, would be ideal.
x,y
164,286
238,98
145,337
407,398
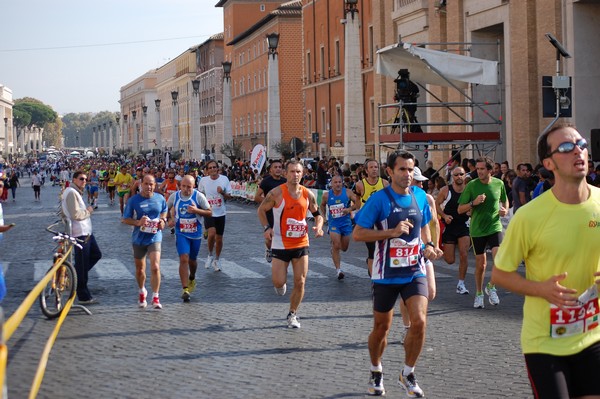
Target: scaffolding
x,y
475,127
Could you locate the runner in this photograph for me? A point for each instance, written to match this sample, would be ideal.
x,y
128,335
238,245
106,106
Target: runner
x,y
364,189
122,182
110,185
188,207
272,180
289,234
216,188
396,219
93,185
338,203
147,212
557,236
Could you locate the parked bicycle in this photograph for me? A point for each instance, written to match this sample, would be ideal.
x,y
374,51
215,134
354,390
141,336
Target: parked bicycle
x,y
62,286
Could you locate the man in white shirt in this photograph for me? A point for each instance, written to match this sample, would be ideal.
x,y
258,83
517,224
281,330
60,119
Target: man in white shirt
x,y
216,188
79,215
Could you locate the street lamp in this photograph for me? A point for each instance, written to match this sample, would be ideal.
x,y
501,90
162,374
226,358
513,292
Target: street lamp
x,y
145,127
94,138
126,134
175,135
104,136
351,7
134,132
118,132
158,138
227,131
110,137
226,70
273,42
196,121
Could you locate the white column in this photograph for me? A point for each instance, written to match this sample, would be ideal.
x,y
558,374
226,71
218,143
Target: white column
x,y
274,110
354,120
158,131
94,139
175,136
110,139
145,131
135,132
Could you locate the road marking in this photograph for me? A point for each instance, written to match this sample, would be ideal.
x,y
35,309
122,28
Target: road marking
x,y
346,267
234,270
112,269
311,273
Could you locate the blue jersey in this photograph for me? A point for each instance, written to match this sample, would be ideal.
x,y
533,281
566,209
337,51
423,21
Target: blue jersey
x,y
189,224
336,204
153,207
397,260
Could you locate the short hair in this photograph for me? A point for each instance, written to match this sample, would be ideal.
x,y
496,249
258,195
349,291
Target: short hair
x,y
391,159
211,161
76,174
292,162
489,164
543,148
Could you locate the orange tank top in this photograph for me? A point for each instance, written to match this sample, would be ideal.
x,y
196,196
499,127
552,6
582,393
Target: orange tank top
x,y
290,230
170,188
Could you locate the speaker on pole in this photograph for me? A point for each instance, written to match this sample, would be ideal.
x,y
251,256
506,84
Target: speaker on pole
x,y
595,144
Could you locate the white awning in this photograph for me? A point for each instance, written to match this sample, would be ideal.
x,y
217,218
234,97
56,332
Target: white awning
x,y
426,66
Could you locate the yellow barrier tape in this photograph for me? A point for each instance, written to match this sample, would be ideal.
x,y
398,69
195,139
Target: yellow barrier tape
x,y
3,359
17,317
39,375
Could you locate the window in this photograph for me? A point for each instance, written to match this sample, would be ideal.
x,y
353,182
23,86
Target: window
x,y
234,89
309,122
255,123
308,68
260,123
262,8
248,124
337,58
372,105
323,123
370,53
248,83
322,65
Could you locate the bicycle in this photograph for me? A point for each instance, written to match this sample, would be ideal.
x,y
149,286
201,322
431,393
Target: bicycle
x,y
62,286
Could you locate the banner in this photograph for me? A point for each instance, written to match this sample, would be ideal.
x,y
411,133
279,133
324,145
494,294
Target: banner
x,y
258,157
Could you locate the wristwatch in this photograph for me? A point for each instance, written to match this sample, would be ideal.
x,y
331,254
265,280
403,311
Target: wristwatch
x,y
267,227
431,244
472,204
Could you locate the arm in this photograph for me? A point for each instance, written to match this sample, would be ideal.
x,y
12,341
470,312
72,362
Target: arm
x,y
435,237
442,195
355,200
313,208
268,203
260,195
323,206
551,290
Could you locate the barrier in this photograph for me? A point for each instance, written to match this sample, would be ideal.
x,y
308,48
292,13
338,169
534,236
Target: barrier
x,y
14,321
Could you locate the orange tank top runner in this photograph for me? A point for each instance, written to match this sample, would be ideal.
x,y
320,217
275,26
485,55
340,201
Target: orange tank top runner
x,y
170,188
290,229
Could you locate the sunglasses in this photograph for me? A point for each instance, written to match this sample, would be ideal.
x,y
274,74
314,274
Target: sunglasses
x,y
458,174
82,178
568,146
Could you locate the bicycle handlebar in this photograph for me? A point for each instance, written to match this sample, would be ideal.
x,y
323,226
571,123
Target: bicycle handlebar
x,y
65,237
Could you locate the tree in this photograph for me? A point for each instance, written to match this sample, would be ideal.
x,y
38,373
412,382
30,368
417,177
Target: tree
x,y
40,113
232,151
53,133
286,150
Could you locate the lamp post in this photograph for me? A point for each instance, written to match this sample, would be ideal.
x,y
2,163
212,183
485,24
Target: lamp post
x,y
354,124
274,107
104,136
175,135
110,137
196,119
118,131
145,127
125,143
99,131
134,132
158,138
227,131
94,138
5,152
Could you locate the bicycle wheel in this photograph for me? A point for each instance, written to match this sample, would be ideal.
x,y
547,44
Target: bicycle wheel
x,y
59,290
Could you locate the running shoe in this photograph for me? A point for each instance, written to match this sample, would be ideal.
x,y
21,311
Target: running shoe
x,y
293,321
281,291
410,385
142,301
208,262
156,303
269,255
91,301
192,285
461,289
185,295
490,290
403,332
376,384
340,274
216,264
478,304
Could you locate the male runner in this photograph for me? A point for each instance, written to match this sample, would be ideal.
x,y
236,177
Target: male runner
x,y
188,206
272,180
217,189
338,203
557,235
397,220
147,212
289,234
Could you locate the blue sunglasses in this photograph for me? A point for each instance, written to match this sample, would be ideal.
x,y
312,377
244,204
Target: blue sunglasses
x,y
568,146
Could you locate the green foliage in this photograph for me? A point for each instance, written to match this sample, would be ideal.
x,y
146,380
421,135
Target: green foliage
x,y
285,149
40,113
53,133
232,151
21,118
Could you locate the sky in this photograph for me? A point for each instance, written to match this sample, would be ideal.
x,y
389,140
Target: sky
x,y
75,55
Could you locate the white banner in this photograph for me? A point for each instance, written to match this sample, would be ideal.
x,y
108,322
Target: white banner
x,y
258,157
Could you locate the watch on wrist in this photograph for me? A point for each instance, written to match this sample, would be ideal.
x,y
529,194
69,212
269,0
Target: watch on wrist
x,y
267,227
431,244
472,204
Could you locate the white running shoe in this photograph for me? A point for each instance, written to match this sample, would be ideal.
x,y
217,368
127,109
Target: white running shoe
x,y
216,264
461,289
208,262
281,291
478,304
142,298
490,290
293,321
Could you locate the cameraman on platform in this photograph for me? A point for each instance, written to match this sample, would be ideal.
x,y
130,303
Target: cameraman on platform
x,y
407,92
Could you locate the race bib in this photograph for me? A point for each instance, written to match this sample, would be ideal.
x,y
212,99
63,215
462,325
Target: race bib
x,y
151,226
124,186
575,319
188,225
295,228
337,211
215,202
403,254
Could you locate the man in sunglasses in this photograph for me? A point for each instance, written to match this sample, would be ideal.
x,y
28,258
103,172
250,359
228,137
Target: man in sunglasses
x,y
557,235
79,216
456,232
